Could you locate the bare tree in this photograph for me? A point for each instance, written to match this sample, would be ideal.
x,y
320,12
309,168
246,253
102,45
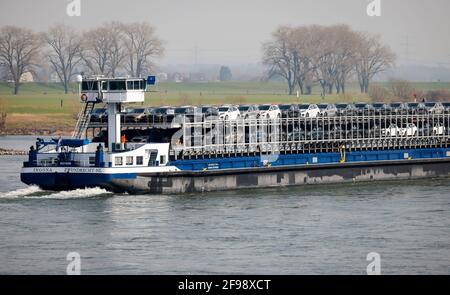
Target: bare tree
x,y
278,56
103,49
117,50
141,46
371,58
19,51
325,55
96,46
302,47
325,58
345,42
64,53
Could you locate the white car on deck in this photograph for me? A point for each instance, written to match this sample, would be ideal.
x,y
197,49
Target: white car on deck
x,y
438,130
391,131
229,112
309,110
269,111
410,130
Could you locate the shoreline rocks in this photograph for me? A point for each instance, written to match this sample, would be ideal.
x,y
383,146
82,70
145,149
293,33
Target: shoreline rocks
x,y
9,152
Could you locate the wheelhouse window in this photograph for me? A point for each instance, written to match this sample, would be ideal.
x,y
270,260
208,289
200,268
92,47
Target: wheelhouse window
x,y
117,85
135,85
130,85
118,161
139,160
89,85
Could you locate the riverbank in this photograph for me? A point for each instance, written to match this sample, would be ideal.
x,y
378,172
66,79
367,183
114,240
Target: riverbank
x,y
36,131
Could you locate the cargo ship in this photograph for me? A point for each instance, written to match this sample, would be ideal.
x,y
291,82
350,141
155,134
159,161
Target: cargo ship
x,y
188,149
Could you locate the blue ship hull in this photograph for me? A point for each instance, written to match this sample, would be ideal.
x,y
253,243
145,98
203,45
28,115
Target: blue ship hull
x,y
69,181
240,172
309,159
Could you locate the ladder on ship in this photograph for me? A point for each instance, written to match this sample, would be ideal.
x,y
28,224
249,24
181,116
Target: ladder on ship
x,y
84,116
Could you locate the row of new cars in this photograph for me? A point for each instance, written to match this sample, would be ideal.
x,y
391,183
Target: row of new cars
x,y
167,114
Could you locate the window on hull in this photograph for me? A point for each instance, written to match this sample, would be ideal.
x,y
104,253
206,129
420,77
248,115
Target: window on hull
x,y
129,160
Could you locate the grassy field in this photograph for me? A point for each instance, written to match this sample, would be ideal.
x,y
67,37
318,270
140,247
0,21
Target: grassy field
x,y
37,108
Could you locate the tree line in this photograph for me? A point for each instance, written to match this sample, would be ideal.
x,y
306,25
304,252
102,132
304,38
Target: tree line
x,y
111,49
327,56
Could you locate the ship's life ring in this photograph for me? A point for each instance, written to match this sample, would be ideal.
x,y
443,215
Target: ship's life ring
x,y
84,97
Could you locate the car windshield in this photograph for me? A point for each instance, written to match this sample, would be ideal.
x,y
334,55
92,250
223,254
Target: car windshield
x,y
244,108
180,110
341,106
360,105
413,104
264,107
224,109
159,110
322,106
396,105
378,105
284,107
430,104
303,106
99,111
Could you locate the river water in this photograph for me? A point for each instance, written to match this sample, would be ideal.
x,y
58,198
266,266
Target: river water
x,y
326,229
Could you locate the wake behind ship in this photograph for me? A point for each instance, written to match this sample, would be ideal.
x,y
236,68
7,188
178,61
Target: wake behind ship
x,y
207,148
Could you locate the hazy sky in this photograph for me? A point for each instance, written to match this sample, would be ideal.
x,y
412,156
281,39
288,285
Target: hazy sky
x,y
232,31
